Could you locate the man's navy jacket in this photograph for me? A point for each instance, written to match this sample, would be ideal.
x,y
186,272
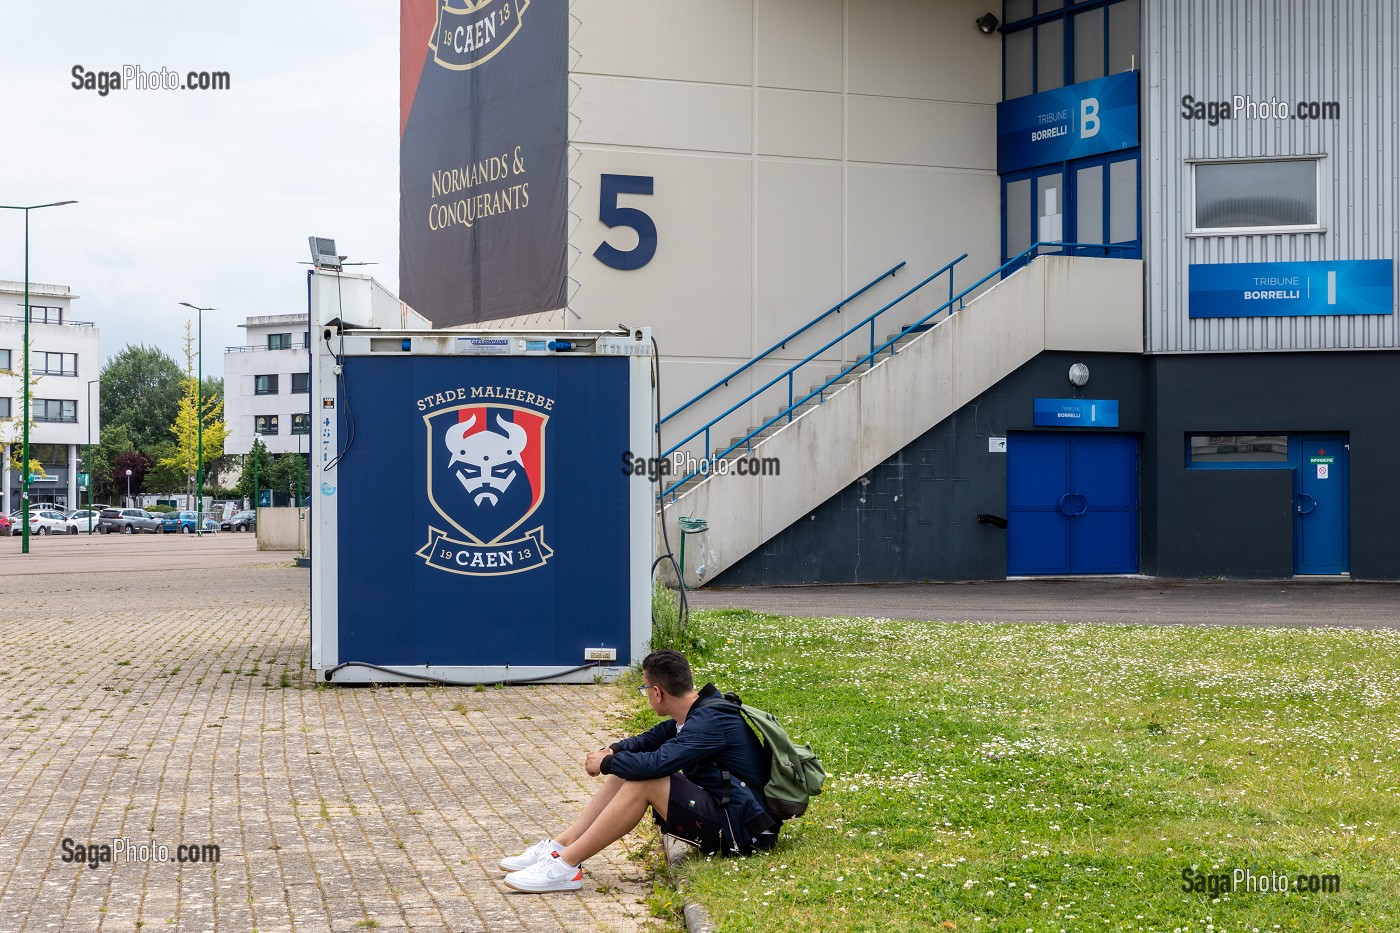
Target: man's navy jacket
x,y
713,740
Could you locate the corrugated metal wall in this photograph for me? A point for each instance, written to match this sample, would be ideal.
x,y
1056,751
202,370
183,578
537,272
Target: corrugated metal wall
x,y
1294,50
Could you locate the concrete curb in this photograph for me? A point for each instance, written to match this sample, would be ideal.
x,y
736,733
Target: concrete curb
x,y
697,919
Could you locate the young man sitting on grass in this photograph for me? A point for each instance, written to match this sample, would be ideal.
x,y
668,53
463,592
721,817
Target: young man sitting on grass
x,y
702,771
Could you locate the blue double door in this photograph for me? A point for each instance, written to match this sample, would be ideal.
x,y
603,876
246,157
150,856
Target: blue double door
x,y
1072,503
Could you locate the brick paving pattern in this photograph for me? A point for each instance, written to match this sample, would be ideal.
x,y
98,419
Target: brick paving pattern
x,y
174,707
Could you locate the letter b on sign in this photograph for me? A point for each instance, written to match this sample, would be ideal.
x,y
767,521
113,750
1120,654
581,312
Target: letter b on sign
x,y
1088,117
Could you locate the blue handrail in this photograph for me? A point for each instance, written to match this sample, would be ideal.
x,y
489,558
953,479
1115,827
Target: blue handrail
x,y
792,405
834,309
790,372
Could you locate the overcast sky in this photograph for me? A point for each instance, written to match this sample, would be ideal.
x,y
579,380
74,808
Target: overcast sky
x,y
199,196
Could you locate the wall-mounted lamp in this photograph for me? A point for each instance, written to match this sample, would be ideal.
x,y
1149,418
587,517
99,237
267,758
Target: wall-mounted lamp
x,y
1079,375
988,23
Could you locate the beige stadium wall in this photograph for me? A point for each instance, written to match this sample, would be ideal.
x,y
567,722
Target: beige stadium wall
x,y
798,148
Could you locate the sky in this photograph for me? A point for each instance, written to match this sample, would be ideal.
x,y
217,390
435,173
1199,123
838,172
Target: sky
x,y
199,196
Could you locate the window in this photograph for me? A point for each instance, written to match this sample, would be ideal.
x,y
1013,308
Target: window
x,y
264,385
54,364
41,315
279,341
264,424
4,359
1230,449
1049,43
55,410
1278,195
301,423
4,409
54,455
301,383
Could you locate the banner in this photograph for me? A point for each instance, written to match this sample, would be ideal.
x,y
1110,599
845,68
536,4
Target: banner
x,y
1287,289
483,185
1089,118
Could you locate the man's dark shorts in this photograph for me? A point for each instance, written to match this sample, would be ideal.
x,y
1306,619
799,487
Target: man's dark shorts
x,y
694,816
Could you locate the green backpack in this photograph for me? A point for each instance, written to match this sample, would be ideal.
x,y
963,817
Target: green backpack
x,y
795,775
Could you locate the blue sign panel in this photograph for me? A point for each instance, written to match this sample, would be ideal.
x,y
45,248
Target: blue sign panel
x,y
1076,412
1284,289
1089,118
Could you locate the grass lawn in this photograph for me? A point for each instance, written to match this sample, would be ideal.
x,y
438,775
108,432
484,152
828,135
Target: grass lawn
x,y
1064,777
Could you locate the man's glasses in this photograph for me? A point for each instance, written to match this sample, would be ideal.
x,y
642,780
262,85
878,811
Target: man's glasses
x,y
643,689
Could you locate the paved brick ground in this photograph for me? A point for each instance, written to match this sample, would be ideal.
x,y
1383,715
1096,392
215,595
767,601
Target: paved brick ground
x,y
159,706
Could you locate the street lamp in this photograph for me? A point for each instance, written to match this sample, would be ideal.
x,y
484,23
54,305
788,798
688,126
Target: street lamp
x,y
128,489
199,415
91,383
24,454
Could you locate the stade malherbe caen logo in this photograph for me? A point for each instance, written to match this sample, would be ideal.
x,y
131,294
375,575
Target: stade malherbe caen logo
x,y
486,477
469,32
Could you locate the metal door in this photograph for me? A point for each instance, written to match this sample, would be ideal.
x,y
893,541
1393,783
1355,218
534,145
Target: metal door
x,y
1072,502
1321,501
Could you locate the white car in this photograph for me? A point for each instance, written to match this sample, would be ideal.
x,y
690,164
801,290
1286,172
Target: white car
x,y
78,521
42,521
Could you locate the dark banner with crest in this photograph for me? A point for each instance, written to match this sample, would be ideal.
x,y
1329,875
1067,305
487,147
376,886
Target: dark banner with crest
x,y
483,183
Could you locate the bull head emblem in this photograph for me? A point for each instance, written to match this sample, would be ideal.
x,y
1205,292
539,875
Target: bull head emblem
x,y
485,463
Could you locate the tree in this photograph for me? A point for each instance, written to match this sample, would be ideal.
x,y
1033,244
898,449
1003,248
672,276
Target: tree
x,y
220,463
257,463
135,461
193,410
12,428
104,454
141,389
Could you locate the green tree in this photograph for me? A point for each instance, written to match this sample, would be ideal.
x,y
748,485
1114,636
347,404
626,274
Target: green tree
x,y
256,462
194,408
114,441
141,388
12,428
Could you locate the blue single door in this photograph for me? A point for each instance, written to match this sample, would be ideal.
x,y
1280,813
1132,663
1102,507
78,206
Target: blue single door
x,y
1320,504
1072,504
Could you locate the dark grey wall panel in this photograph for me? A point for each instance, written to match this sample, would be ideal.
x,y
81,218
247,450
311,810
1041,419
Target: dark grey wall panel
x,y
1294,393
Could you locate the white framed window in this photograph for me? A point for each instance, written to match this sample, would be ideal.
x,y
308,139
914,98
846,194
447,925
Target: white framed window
x,y
5,359
4,408
1239,197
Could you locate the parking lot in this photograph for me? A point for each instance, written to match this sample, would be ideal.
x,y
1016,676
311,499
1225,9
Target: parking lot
x,y
96,553
157,693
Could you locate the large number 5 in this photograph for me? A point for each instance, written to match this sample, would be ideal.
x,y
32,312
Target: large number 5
x,y
614,216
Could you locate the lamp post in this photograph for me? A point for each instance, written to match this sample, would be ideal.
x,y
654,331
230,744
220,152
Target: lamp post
x,y
128,489
24,453
199,415
91,383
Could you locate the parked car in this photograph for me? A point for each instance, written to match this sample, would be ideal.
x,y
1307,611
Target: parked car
x,y
184,523
127,521
241,521
78,521
42,521
5,524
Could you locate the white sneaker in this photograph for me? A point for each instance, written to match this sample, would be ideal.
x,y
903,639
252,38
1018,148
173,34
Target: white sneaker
x,y
548,874
530,856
